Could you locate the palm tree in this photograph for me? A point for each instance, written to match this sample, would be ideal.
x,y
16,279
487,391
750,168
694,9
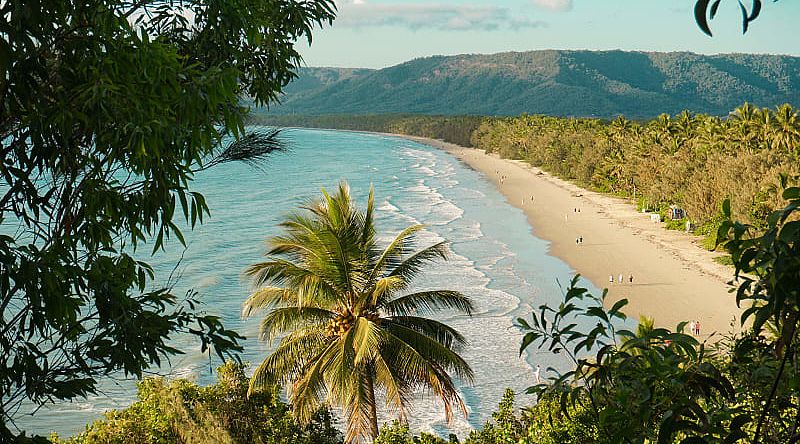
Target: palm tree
x,y
349,328
786,132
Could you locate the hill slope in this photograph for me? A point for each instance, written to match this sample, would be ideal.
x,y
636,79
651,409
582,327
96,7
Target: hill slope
x,y
562,83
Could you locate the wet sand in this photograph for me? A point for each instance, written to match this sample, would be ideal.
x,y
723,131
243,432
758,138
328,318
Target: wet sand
x,y
674,279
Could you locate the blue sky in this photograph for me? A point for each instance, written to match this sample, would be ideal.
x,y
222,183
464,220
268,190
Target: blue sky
x,y
379,33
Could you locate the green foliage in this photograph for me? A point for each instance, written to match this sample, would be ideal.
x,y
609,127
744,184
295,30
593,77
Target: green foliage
x,y
603,84
547,423
504,427
542,423
724,260
108,110
675,224
661,386
348,325
180,411
398,433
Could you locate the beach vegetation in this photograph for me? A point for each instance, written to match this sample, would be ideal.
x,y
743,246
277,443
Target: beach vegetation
x,y
179,411
399,433
351,328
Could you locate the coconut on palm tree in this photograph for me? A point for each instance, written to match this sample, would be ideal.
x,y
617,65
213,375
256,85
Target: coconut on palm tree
x,y
351,330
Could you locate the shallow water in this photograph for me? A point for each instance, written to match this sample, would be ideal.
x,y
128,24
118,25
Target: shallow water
x,y
496,260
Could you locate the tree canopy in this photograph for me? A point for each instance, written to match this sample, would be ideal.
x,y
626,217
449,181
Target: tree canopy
x,y
107,111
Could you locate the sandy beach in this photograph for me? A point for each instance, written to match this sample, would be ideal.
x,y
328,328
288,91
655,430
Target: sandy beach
x,y
674,280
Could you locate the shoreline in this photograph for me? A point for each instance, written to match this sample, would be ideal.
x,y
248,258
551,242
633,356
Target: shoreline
x,y
674,279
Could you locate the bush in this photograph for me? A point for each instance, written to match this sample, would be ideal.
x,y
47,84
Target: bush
x,y
543,423
180,411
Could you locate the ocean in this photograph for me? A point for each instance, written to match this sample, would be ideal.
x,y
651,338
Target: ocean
x,y
495,260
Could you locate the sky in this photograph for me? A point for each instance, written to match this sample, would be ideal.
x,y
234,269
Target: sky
x,y
380,33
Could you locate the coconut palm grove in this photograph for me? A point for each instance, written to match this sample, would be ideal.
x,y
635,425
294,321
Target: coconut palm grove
x,y
664,186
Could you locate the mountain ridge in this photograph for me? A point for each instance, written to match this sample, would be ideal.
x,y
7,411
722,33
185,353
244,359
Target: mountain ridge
x,y
578,83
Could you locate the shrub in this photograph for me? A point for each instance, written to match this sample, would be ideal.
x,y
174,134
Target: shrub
x,y
180,411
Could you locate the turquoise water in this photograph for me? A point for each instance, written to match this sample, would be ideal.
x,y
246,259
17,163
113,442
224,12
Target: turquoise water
x,y
496,260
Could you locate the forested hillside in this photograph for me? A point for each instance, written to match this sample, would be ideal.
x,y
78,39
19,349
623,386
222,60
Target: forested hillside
x,y
559,83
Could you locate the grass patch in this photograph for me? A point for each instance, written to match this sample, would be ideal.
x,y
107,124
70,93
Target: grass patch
x,y
724,260
677,224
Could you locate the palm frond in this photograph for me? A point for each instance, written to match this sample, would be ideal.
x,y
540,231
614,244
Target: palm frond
x,y
428,302
358,408
309,390
397,389
393,252
410,266
288,360
366,341
438,331
253,149
309,287
267,298
425,363
368,226
417,353
383,290
275,271
288,319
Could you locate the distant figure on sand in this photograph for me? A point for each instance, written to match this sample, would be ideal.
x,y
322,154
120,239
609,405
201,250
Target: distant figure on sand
x,y
692,327
621,278
697,328
630,278
581,239
537,373
610,278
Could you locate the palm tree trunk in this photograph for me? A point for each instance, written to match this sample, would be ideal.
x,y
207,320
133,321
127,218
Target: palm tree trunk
x,y
373,414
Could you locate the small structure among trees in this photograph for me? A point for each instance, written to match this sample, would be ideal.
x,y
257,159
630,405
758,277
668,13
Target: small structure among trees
x,y
675,212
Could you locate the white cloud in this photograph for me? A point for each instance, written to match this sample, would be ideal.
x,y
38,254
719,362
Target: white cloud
x,y
359,14
554,5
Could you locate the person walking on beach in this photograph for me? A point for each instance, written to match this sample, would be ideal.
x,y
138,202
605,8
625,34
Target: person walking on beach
x,y
537,373
630,278
697,328
577,241
610,278
581,239
692,327
621,278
